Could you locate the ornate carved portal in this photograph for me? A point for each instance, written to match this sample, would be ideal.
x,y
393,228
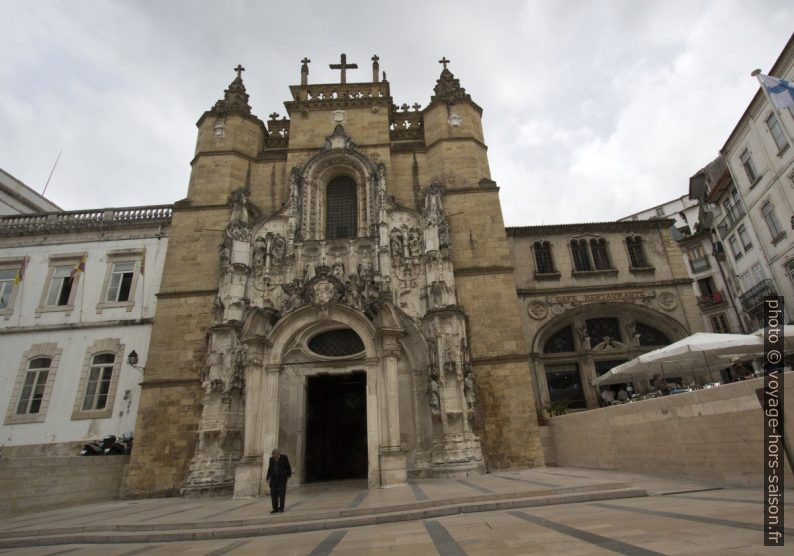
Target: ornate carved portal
x,y
283,283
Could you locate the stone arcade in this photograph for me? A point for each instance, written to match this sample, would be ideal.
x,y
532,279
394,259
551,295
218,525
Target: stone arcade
x,y
338,285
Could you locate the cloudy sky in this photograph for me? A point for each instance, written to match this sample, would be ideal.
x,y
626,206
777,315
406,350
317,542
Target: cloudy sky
x,y
592,109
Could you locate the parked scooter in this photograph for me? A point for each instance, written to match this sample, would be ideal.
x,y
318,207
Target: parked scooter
x,y
120,448
98,448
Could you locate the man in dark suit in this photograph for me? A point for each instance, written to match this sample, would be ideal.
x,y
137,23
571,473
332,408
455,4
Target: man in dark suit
x,y
278,471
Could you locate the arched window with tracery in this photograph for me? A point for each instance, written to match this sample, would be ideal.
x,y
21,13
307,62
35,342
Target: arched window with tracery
x,y
544,262
637,256
598,248
340,208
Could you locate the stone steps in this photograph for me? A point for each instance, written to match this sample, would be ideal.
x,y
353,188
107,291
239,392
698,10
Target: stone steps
x,y
316,521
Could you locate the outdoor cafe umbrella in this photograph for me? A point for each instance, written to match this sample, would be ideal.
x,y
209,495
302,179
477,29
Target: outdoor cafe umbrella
x,y
788,337
695,353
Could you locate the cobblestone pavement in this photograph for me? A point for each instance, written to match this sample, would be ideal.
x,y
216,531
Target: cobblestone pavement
x,y
538,511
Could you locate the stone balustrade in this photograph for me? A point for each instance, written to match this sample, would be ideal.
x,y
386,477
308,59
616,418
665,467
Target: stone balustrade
x,y
81,219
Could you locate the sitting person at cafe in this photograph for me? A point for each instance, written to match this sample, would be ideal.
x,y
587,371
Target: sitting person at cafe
x,y
739,370
607,395
660,385
623,396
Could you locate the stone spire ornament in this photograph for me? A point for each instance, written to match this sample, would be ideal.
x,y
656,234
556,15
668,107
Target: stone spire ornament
x,y
235,99
375,68
447,87
305,71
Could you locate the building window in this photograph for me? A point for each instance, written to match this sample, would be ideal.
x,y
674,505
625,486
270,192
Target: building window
x,y
11,274
565,385
121,278
636,252
749,166
745,237
60,286
697,259
32,389
660,211
737,253
598,248
560,342
544,263
650,336
120,281
581,256
603,330
340,208
62,281
777,132
768,211
100,373
99,379
719,323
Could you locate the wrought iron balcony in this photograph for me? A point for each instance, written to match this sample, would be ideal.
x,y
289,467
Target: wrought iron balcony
x,y
730,220
753,297
711,300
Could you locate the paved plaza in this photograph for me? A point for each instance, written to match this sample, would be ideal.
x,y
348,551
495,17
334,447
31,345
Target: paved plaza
x,y
538,511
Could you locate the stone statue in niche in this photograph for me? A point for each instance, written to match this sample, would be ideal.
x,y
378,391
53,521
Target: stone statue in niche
x,y
279,248
238,227
260,251
293,298
434,396
354,292
217,311
468,388
443,234
437,294
584,338
433,212
414,242
225,254
338,270
239,200
365,268
396,241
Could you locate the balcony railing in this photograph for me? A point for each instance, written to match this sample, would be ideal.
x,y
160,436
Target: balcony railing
x,y
699,265
713,299
730,220
753,297
77,219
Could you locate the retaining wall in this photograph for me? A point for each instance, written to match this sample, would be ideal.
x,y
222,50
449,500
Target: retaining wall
x,y
713,435
44,483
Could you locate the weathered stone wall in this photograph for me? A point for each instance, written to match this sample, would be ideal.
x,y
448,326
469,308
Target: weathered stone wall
x,y
33,484
713,435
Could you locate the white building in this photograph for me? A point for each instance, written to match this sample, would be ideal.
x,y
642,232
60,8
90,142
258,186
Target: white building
x,y
755,208
18,198
77,295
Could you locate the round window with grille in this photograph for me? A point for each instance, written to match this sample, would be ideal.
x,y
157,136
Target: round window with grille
x,y
342,342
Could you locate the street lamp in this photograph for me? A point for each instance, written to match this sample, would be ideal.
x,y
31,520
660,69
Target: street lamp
x,y
132,360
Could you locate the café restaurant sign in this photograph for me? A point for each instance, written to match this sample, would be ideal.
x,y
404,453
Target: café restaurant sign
x,y
557,304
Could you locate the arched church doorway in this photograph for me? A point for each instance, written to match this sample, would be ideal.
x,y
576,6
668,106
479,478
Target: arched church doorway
x,y
336,427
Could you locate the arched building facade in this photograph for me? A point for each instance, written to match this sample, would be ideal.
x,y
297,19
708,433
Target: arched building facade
x,y
593,296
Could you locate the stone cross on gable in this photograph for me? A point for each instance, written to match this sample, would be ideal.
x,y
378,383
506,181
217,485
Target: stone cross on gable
x,y
343,66
305,64
274,115
239,69
444,61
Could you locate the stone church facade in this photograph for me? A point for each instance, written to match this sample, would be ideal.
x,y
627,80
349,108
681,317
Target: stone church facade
x,y
338,285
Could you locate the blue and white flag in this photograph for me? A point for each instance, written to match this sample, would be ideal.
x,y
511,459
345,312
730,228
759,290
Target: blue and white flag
x,y
781,92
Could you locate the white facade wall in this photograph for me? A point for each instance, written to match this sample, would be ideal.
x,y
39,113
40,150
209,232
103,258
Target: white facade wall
x,y
772,255
75,333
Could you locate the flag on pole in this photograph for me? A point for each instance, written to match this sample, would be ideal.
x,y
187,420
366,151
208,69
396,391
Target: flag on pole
x,y
79,267
781,92
21,272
